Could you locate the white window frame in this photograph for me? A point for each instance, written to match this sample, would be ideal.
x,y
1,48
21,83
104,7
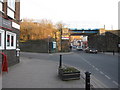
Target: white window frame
x,y
14,43
2,39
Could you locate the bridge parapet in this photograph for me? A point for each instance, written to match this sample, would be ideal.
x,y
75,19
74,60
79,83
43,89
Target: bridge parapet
x,y
83,31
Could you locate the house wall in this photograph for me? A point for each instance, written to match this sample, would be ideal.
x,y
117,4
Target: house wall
x,y
10,24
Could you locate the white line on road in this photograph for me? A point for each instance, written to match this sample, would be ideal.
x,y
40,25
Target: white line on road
x,y
90,64
97,83
101,72
97,69
115,83
86,61
107,77
93,66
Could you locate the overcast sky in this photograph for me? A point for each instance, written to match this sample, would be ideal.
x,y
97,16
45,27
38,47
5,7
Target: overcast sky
x,y
74,13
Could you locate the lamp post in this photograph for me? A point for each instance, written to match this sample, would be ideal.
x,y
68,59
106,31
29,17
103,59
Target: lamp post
x,y
55,40
48,43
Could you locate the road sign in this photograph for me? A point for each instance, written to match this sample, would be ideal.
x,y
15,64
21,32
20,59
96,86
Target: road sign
x,y
54,45
65,38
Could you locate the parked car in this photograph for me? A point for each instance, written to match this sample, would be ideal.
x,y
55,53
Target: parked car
x,y
79,48
91,50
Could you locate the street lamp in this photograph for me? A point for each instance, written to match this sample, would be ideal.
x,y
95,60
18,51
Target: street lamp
x,y
48,43
55,40
61,38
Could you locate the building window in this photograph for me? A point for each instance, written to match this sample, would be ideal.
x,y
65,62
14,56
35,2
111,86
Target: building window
x,y
10,40
1,6
11,4
1,39
1,0
10,13
11,8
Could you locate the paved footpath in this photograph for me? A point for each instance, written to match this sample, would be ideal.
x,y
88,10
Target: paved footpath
x,y
36,73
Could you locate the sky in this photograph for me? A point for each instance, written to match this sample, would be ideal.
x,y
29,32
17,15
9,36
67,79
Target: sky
x,y
74,13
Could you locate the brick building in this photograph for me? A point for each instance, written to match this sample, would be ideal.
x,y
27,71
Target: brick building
x,y
10,30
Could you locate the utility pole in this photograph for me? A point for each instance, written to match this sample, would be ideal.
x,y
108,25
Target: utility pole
x,y
55,40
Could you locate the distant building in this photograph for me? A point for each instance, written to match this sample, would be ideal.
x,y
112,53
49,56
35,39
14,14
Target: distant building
x,y
10,29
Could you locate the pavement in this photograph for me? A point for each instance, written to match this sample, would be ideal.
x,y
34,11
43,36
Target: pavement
x,y
36,73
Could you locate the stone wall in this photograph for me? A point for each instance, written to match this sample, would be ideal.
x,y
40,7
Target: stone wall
x,y
40,46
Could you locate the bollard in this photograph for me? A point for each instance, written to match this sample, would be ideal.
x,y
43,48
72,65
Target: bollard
x,y
87,85
60,63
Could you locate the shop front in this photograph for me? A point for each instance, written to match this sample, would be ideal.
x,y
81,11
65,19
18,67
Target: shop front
x,y
9,40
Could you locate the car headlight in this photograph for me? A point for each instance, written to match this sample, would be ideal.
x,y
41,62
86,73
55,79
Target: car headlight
x,y
90,50
96,50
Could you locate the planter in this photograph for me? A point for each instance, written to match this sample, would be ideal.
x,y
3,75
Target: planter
x,y
69,73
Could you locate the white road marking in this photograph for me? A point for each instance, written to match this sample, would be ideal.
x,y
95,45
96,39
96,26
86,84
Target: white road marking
x,y
101,72
107,77
97,69
90,64
97,83
93,66
115,83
